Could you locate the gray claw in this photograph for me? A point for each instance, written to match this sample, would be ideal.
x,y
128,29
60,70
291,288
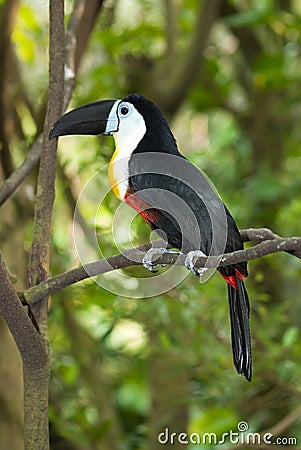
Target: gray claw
x,y
189,262
147,260
149,256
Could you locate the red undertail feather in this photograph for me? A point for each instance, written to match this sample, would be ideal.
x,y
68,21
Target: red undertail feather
x,y
231,279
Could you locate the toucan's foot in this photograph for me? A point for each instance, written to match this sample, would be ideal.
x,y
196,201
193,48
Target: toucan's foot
x,y
147,260
189,262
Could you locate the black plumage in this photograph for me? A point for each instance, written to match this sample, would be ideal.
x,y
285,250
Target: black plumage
x,y
166,184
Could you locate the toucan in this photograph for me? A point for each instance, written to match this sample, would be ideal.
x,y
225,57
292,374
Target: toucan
x,y
172,195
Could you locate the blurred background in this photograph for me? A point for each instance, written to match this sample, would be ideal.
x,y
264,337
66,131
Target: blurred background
x,y
226,74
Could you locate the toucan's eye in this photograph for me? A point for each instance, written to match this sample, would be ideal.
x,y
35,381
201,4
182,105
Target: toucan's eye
x,y
124,110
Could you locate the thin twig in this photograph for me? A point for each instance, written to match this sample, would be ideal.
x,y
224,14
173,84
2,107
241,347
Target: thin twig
x,y
71,45
134,256
285,422
170,29
9,10
181,80
18,176
262,234
11,184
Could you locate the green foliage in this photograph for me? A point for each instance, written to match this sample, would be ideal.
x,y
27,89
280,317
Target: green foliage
x,y
258,14
240,123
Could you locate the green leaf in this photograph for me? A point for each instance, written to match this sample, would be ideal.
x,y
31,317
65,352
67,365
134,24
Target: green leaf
x,y
254,15
290,336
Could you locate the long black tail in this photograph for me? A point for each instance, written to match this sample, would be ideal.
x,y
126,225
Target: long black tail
x,y
240,331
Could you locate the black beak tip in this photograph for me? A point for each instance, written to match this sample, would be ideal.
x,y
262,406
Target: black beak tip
x,y
52,133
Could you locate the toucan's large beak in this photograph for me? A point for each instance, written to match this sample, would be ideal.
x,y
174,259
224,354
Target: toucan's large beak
x,y
93,118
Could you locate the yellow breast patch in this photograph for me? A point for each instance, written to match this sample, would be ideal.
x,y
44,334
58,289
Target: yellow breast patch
x,y
113,181
118,173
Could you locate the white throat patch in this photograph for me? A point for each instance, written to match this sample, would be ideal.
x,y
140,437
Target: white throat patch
x,y
131,130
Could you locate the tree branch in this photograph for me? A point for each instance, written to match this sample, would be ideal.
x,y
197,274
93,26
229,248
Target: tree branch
x,y
85,27
39,256
170,30
21,327
9,10
36,392
182,80
269,243
262,234
71,46
250,43
34,360
73,58
10,185
285,422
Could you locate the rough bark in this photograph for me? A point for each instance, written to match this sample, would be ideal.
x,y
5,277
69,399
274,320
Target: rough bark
x,y
35,364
